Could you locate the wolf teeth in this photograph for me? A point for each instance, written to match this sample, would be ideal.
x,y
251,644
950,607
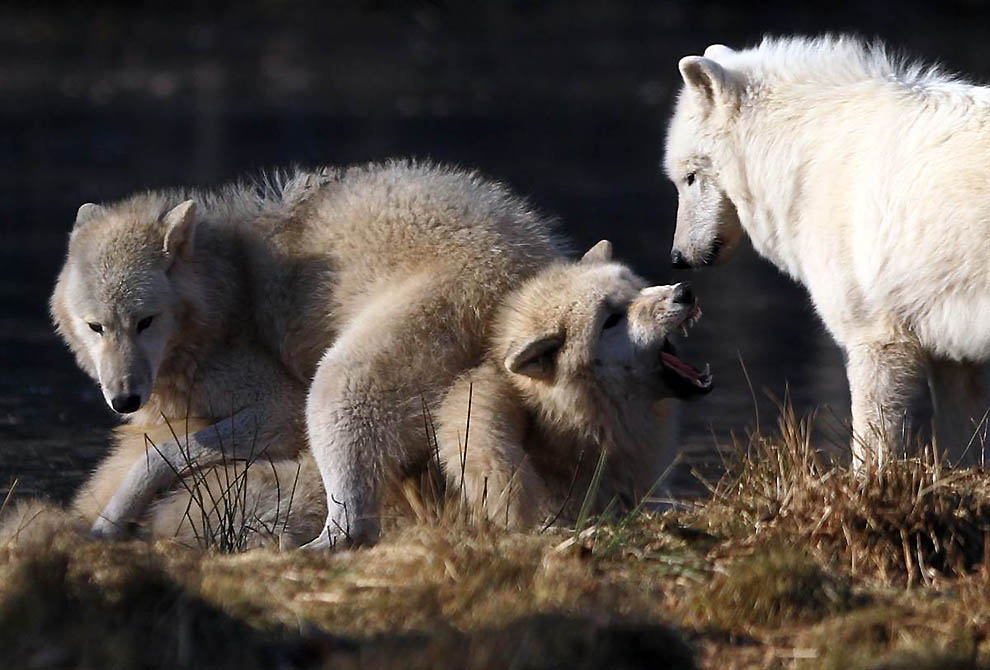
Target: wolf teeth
x,y
704,378
689,322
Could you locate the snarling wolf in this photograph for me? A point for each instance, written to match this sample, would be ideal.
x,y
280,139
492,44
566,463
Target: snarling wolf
x,y
581,355
326,309
865,179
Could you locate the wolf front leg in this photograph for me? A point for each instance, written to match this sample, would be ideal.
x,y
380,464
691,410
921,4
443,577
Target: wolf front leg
x,y
131,441
245,436
960,411
884,377
354,429
366,405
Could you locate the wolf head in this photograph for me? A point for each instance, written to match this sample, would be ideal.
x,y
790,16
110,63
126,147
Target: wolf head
x,y
115,302
708,228
588,343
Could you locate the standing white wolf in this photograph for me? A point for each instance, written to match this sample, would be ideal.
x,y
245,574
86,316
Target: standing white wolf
x,y
333,309
867,180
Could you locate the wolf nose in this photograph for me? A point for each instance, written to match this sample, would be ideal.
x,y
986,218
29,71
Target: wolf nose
x,y
126,404
683,295
677,260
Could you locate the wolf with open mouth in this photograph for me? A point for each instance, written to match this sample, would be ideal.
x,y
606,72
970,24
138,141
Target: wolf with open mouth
x,y
580,364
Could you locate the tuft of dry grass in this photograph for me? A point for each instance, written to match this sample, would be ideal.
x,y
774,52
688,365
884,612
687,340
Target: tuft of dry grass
x,y
912,521
865,638
222,510
772,587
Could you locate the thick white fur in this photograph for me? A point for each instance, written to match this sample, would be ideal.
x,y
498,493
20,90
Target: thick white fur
x,y
867,180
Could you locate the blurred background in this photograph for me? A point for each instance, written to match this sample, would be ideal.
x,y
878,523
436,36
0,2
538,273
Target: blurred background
x,y
565,100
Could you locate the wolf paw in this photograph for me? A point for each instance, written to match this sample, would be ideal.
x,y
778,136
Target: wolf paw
x,y
105,529
327,541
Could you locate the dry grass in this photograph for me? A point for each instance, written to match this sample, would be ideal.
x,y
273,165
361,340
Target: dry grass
x,y
776,587
914,521
793,562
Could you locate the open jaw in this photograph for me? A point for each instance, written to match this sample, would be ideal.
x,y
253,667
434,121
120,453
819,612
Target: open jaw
x,y
685,380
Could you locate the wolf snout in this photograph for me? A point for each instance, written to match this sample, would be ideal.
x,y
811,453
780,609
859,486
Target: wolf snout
x,y
125,404
678,260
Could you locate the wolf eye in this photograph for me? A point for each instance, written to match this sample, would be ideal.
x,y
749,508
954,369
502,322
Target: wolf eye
x,y
144,323
690,178
613,320
95,327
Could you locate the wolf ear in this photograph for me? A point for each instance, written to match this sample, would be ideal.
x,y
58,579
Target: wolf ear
x,y
706,79
718,51
535,358
600,253
87,213
180,229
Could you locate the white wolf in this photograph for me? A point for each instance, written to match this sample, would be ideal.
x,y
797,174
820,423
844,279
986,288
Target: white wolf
x,y
580,357
330,308
867,180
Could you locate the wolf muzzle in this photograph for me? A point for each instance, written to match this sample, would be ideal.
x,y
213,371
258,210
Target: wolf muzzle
x,y
125,404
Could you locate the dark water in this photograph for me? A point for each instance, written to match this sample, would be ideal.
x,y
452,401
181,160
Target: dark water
x,y
565,101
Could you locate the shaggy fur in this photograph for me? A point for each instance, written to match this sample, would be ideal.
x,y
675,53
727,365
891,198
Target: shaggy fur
x,y
250,286
865,179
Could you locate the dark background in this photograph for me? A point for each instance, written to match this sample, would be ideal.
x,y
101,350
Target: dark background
x,y
564,100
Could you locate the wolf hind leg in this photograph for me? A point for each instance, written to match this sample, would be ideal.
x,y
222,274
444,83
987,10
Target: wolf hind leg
x,y
254,432
269,503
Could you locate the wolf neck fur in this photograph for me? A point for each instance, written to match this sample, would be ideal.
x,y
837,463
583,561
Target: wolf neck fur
x,y
205,280
771,209
816,79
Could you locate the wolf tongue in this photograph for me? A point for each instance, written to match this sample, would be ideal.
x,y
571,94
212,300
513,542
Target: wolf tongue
x,y
677,365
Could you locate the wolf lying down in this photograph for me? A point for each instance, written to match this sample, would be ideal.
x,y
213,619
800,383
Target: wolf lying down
x,y
382,315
